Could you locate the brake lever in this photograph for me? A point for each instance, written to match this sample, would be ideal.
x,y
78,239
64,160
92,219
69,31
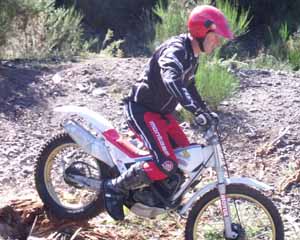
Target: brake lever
x,y
211,135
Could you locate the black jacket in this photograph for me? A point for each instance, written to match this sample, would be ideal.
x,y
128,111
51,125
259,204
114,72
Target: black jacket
x,y
169,79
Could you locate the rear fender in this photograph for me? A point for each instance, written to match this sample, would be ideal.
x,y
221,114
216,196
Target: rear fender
x,y
92,145
96,120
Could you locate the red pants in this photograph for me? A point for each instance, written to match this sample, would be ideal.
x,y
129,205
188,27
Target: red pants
x,y
160,133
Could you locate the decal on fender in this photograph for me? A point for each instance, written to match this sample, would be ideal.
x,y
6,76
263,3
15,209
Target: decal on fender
x,y
185,154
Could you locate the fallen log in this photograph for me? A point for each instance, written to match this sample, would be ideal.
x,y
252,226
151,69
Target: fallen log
x,y
270,147
287,183
27,219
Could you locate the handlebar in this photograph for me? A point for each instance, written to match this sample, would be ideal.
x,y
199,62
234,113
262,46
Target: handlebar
x,y
210,134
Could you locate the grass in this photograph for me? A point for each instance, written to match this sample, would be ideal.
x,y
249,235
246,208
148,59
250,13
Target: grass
x,y
163,227
238,20
293,53
266,61
173,21
285,48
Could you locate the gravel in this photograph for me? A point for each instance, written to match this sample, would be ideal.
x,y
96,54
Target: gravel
x,y
266,104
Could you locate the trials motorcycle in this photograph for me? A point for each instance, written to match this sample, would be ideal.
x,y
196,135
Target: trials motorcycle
x,y
71,166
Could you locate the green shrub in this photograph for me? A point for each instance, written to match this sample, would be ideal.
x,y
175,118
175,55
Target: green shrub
x,y
214,82
7,12
272,13
63,32
283,32
40,30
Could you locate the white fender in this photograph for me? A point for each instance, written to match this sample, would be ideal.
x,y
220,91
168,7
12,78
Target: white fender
x,y
94,146
245,181
95,119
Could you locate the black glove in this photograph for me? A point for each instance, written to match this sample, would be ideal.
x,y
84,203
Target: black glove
x,y
206,118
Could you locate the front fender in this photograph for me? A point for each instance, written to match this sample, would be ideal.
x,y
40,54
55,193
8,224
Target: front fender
x,y
245,181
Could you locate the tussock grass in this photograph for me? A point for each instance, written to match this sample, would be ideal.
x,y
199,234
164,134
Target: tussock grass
x,y
238,20
283,51
112,48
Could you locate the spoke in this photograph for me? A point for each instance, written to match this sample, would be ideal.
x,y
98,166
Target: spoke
x,y
259,235
237,213
250,210
239,218
63,193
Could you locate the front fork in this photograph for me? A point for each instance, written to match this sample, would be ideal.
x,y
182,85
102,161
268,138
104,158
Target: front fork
x,y
229,233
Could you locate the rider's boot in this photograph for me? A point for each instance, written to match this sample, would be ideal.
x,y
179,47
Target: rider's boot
x,y
116,190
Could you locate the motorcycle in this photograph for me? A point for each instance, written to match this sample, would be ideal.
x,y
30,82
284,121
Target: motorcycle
x,y
71,166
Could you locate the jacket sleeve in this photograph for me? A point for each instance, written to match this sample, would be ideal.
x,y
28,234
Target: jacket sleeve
x,y
195,95
171,63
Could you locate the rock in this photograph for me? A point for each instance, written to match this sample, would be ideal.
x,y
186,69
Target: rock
x,y
253,110
98,82
82,87
283,158
224,103
98,92
57,78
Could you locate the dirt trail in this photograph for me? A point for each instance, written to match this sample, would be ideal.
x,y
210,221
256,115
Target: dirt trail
x,y
266,106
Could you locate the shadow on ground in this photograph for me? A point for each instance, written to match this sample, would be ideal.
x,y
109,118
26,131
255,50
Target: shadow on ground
x,y
238,122
19,89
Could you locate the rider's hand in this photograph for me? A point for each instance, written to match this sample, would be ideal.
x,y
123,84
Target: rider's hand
x,y
206,118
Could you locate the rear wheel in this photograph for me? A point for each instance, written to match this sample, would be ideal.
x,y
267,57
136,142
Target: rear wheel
x,y
61,197
254,216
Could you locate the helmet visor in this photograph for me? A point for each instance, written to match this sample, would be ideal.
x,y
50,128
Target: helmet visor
x,y
223,30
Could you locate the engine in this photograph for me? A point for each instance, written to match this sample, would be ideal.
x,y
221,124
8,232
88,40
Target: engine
x,y
165,188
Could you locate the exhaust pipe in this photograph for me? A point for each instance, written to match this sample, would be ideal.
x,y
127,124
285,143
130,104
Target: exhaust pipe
x,y
88,142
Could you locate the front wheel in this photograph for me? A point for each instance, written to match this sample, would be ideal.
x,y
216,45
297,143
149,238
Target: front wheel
x,y
253,215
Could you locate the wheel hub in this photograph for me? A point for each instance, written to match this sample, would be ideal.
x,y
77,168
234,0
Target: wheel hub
x,y
237,228
72,171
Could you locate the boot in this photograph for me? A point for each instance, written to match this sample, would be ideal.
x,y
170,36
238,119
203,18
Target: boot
x,y
116,190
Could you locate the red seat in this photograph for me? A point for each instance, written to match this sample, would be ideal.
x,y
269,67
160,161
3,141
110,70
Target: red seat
x,y
124,145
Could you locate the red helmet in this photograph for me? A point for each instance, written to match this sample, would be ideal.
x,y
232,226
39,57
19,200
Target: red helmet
x,y
202,17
